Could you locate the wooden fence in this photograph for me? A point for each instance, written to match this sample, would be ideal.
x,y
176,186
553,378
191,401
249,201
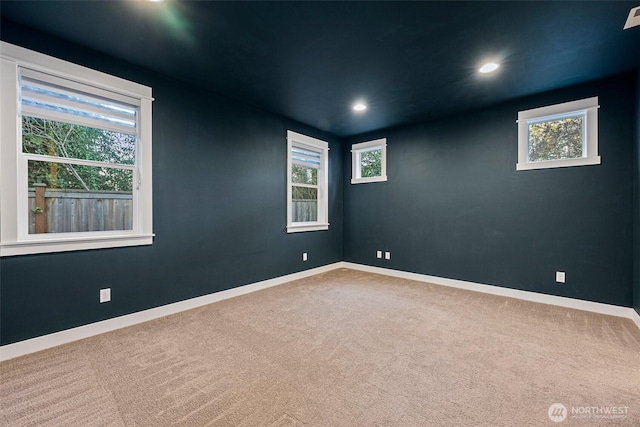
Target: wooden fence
x,y
304,210
63,211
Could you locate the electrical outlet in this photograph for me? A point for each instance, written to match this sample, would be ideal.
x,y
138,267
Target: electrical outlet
x,y
379,254
560,276
387,255
105,295
304,256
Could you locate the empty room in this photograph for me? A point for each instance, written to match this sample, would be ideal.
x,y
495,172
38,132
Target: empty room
x,y
319,213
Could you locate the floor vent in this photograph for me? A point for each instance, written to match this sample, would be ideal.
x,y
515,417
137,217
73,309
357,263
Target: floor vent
x,y
634,18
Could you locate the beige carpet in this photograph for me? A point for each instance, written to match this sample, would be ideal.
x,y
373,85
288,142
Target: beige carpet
x,y
344,348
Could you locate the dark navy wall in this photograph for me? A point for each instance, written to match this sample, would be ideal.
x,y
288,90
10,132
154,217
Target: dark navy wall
x,y
636,195
454,205
219,203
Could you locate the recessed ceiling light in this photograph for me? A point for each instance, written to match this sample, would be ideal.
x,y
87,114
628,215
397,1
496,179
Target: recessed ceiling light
x,y
359,106
489,67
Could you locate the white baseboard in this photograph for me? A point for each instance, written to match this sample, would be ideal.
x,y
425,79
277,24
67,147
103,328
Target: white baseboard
x,y
596,307
32,345
636,318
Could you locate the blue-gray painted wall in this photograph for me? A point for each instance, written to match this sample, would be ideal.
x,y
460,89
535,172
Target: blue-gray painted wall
x,y
454,205
219,211
636,195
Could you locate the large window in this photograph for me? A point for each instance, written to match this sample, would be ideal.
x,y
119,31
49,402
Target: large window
x,y
559,135
307,183
369,161
76,165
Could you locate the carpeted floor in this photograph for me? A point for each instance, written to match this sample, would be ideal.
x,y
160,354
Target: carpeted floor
x,y
345,348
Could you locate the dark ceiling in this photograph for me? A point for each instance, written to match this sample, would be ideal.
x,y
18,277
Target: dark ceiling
x,y
309,61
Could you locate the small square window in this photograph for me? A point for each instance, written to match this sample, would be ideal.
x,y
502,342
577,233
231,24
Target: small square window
x,y
560,135
369,161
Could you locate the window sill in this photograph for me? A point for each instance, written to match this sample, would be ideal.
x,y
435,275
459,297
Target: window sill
x,y
366,180
61,244
565,163
302,227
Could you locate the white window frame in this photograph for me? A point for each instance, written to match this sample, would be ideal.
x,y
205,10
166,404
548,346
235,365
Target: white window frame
x,y
14,236
305,142
587,108
356,153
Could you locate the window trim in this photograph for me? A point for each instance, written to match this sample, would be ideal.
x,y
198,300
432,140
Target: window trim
x,y
321,147
14,236
357,149
587,107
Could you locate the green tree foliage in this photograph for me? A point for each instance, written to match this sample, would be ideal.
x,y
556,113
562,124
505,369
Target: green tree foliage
x,y
555,140
51,138
371,163
304,175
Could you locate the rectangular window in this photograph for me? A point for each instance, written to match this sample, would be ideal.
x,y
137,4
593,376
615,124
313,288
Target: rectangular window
x,y
307,183
560,135
369,161
82,141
